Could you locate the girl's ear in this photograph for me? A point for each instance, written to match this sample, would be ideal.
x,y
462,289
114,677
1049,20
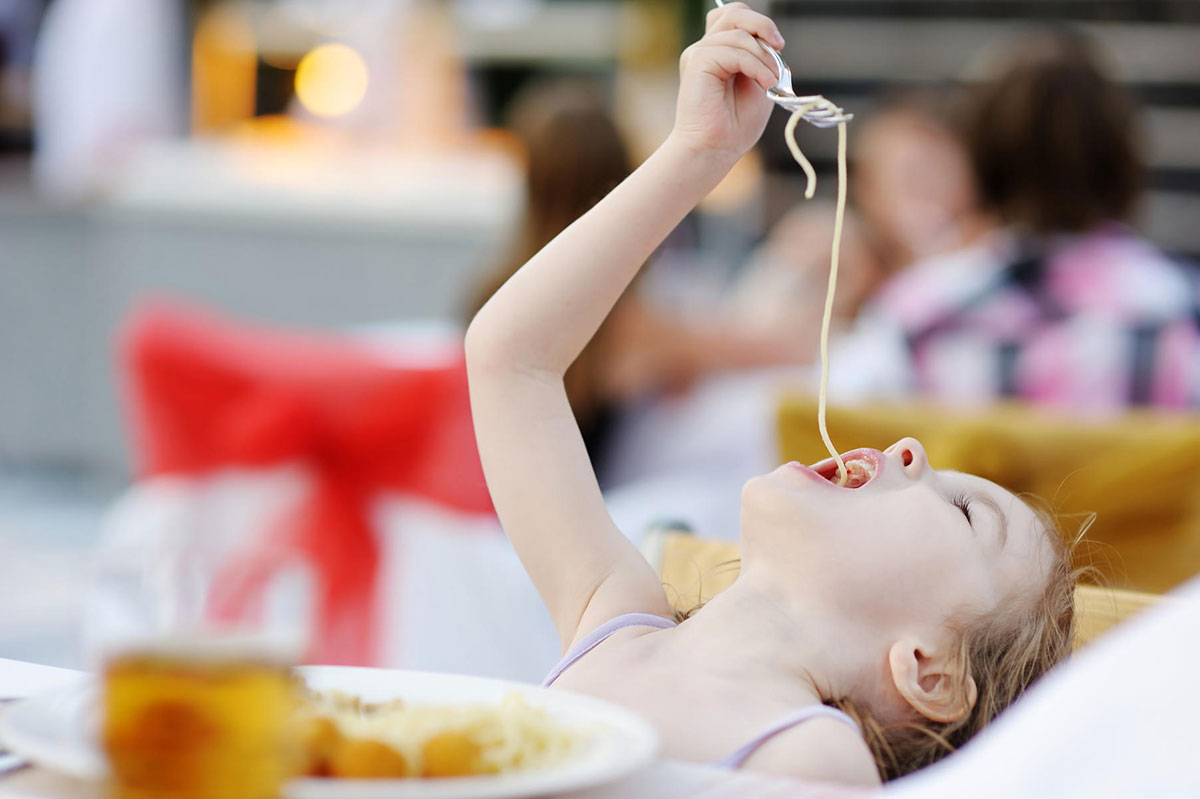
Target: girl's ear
x,y
933,684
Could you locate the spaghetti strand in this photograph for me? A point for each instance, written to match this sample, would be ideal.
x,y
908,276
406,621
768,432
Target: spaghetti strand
x,y
827,317
789,135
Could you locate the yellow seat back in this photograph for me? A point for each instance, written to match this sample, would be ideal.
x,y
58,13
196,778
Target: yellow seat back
x,y
694,570
1097,609
1139,474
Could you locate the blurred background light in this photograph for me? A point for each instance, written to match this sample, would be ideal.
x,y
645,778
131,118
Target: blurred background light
x,y
331,80
224,69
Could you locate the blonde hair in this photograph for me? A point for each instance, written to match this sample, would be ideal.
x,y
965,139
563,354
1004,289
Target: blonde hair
x,y
1004,650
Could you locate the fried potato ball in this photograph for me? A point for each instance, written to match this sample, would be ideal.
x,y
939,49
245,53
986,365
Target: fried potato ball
x,y
317,738
365,759
453,754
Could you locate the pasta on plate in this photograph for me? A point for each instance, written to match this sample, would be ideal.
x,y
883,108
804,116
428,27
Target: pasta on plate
x,y
343,737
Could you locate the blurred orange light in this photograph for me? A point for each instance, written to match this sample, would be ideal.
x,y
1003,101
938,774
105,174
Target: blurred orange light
x,y
223,69
331,80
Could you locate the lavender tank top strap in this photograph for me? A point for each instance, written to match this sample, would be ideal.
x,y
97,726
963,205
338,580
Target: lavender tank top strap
x,y
802,715
598,635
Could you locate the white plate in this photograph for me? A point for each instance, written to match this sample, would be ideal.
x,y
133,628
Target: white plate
x,y
57,730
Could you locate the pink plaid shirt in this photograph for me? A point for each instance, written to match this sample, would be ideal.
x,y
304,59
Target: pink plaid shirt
x,y
1097,322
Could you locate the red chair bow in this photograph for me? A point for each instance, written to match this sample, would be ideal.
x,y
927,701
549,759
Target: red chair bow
x,y
207,394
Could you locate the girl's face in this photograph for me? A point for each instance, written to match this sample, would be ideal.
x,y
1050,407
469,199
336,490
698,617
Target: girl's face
x,y
903,545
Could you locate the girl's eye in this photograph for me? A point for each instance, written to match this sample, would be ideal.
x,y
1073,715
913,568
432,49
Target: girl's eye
x,y
963,503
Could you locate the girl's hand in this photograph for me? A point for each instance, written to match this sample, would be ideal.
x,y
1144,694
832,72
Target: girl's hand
x,y
722,104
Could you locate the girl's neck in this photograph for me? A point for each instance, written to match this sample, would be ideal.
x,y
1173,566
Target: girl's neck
x,y
758,633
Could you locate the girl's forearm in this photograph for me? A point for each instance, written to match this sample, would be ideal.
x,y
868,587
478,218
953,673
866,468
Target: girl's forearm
x,y
542,318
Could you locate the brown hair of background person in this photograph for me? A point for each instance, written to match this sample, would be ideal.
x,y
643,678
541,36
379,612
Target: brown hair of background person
x,y
575,156
1053,139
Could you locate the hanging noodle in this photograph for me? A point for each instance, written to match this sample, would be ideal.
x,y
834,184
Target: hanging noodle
x,y
790,137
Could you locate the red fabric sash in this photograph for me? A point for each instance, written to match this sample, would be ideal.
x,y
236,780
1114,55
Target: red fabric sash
x,y
207,393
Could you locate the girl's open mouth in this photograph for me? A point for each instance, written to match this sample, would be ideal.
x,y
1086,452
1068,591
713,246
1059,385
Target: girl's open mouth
x,y
862,465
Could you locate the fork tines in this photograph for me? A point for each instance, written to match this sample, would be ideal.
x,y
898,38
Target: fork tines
x,y
825,115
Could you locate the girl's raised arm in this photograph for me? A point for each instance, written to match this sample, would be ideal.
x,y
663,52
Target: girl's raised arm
x,y
521,343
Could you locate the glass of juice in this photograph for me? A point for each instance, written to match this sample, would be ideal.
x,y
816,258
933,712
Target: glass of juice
x,y
203,718
196,702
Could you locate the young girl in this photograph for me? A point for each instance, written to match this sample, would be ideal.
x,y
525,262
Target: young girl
x,y
871,628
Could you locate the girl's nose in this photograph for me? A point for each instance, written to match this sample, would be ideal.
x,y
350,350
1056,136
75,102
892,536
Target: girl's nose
x,y
910,454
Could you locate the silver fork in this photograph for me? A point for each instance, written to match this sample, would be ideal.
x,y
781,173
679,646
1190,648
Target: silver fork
x,y
819,111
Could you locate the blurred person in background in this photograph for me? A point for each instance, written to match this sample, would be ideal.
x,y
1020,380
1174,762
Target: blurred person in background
x,y
575,156
108,75
914,182
1065,305
913,196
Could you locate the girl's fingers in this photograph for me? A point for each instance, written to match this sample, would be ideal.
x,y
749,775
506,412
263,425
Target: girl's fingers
x,y
715,13
726,61
743,40
741,16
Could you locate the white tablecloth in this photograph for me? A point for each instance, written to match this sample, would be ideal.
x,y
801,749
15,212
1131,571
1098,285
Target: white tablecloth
x,y
663,780
19,680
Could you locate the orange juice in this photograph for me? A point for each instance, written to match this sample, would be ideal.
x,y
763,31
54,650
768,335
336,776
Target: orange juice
x,y
187,725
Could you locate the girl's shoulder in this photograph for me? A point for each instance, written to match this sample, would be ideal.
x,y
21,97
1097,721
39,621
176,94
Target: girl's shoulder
x,y
819,750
